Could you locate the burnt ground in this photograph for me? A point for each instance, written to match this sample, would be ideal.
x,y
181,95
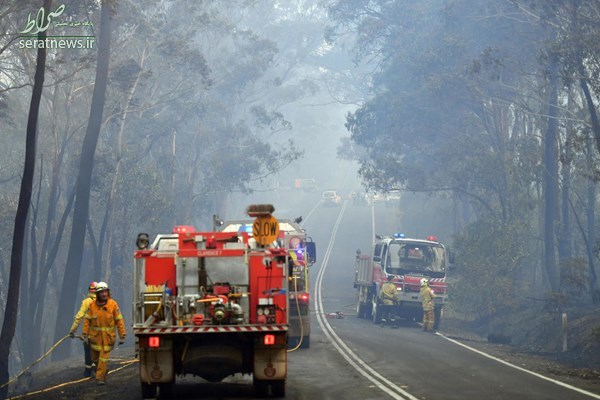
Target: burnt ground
x,y
535,344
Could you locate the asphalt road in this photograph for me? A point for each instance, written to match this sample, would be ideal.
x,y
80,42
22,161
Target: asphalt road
x,y
349,358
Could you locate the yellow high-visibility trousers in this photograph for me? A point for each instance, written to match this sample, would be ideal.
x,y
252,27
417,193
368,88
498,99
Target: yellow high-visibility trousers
x,y
100,357
428,320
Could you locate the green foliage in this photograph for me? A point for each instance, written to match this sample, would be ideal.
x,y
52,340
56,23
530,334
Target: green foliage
x,y
574,279
488,255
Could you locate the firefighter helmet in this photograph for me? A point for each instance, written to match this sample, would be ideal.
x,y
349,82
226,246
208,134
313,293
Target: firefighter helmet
x,y
101,286
424,282
92,287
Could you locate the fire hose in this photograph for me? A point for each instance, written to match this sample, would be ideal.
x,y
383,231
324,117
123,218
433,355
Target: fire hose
x,y
38,360
125,364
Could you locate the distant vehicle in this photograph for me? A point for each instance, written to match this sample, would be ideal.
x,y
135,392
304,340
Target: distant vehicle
x,y
306,184
392,198
331,198
373,198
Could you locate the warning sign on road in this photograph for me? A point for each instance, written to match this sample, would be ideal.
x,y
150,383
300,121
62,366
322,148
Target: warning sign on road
x,y
265,230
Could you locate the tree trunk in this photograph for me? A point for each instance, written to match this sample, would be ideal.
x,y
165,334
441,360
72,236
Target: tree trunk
x,y
594,284
564,239
590,211
550,180
12,298
68,293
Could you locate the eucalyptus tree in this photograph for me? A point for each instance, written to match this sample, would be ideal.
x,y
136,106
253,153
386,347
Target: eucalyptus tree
x,y
459,102
12,298
68,291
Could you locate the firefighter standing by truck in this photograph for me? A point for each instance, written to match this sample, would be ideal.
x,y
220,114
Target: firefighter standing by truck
x,y
389,299
428,306
85,304
102,321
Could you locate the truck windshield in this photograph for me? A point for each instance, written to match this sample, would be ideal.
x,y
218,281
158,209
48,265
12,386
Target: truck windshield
x,y
403,258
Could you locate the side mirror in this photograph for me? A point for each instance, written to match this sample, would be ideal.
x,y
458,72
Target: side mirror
x,y
311,250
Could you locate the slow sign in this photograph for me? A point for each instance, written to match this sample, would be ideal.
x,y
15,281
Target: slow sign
x,y
265,230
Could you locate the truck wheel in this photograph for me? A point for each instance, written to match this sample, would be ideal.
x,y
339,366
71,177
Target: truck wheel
x,y
437,312
376,312
261,388
278,388
149,390
165,390
360,309
305,342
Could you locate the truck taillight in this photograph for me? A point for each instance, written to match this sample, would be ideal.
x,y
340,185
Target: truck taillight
x,y
269,340
304,297
154,341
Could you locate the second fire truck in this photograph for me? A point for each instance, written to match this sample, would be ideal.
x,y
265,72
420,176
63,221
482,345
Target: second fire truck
x,y
407,261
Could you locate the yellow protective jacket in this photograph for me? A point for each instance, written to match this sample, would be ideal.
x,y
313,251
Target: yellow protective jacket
x,y
428,296
389,293
101,324
85,304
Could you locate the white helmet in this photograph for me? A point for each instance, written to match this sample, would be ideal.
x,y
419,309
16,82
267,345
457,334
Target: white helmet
x,y
424,282
100,286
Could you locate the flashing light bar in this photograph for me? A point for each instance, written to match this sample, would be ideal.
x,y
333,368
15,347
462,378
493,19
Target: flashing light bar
x,y
399,235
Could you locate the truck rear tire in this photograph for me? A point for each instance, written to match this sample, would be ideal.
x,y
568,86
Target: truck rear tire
x,y
376,312
165,390
261,388
361,310
437,312
149,390
305,342
278,388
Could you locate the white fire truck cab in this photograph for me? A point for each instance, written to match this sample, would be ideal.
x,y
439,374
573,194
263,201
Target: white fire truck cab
x,y
406,261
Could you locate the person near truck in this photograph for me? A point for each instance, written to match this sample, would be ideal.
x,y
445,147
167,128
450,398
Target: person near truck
x,y
428,306
102,321
85,304
389,301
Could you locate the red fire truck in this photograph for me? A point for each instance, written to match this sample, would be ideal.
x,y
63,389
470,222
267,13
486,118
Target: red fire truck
x,y
211,305
407,261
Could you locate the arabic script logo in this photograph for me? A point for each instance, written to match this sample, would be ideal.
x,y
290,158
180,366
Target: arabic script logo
x,y
41,21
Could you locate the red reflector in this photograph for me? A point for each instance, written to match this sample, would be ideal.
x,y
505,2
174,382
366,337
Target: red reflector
x,y
154,341
304,297
269,340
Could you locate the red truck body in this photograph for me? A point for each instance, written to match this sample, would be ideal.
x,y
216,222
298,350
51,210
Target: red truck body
x,y
209,305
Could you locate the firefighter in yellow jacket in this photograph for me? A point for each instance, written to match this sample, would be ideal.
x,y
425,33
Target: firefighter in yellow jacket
x,y
389,301
85,304
428,306
100,326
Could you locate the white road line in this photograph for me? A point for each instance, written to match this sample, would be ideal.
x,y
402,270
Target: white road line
x,y
356,362
559,383
362,367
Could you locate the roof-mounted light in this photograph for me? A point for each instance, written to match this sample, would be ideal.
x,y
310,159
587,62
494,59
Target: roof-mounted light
x,y
399,235
432,238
